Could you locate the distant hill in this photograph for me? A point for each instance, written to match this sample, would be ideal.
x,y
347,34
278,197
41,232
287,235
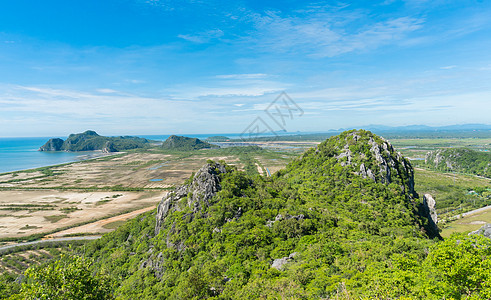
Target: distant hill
x,y
460,160
175,142
90,141
218,138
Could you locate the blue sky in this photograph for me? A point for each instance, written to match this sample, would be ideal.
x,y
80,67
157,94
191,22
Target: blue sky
x,y
191,66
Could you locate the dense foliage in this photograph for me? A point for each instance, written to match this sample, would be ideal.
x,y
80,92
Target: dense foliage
x,y
175,142
460,160
65,278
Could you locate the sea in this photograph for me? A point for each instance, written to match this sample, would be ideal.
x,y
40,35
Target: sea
x,y
22,153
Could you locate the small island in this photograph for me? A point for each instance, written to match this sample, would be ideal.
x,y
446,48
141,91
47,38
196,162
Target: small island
x,y
91,141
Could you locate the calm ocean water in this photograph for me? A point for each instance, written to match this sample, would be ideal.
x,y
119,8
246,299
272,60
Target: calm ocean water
x,y
21,153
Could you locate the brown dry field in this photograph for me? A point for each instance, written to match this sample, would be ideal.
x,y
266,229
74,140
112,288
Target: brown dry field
x,y
72,195
58,209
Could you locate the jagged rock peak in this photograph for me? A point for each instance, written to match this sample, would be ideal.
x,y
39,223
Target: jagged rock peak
x,y
197,194
369,156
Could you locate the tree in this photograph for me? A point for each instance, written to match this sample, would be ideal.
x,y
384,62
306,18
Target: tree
x,y
463,265
66,278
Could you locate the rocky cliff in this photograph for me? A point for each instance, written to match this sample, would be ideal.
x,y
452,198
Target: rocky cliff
x,y
196,195
55,144
375,158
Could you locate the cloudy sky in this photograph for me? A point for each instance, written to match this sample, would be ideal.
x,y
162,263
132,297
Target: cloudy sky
x,y
196,66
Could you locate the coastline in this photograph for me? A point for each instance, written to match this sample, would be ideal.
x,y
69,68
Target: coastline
x,y
84,156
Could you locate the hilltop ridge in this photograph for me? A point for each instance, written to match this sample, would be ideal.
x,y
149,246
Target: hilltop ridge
x,y
175,142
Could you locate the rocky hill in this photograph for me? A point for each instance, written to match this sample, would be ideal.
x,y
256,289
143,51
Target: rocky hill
x,y
332,221
460,160
342,221
175,142
90,141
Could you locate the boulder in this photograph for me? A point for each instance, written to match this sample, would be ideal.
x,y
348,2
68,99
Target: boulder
x,y
485,230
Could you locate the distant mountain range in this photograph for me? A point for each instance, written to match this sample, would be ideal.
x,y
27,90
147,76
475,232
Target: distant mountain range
x,y
412,128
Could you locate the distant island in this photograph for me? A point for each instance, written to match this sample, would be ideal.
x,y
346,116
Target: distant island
x,y
175,142
218,138
90,141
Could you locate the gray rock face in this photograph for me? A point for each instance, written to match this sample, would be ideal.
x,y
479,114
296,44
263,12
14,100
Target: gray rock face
x,y
154,263
281,262
390,163
430,204
429,212
280,217
109,147
52,145
196,195
485,230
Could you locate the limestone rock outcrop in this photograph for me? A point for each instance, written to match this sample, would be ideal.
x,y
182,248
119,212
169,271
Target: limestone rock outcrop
x,y
485,230
197,194
279,263
389,165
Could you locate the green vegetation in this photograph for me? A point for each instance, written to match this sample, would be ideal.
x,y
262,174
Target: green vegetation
x,y
66,278
185,143
90,140
55,218
113,225
460,160
452,192
226,254
340,222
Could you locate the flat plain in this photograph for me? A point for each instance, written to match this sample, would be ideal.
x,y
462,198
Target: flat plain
x,y
96,196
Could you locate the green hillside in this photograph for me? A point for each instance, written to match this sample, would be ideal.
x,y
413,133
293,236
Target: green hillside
x,y
460,160
340,222
90,140
183,143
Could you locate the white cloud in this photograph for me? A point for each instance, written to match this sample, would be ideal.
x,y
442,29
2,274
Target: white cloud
x,y
242,76
449,67
107,91
202,37
327,34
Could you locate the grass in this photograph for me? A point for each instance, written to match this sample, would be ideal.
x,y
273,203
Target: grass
x,y
114,225
442,143
55,218
29,227
68,210
451,190
468,223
